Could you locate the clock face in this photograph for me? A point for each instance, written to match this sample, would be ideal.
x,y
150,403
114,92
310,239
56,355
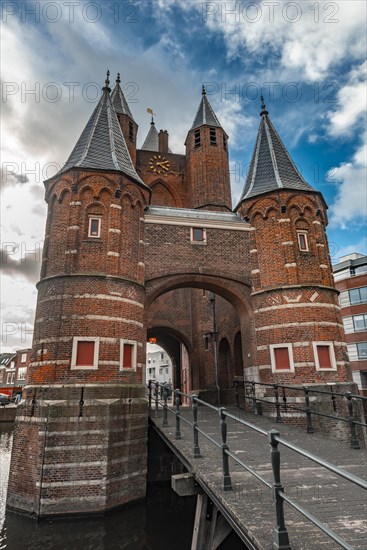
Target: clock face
x,y
159,164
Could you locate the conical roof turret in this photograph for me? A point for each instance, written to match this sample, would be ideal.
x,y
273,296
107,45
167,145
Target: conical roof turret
x,y
151,142
271,166
101,145
205,113
119,101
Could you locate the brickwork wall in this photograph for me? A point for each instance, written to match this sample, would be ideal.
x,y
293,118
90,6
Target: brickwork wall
x,y
73,457
207,172
107,308
293,293
170,187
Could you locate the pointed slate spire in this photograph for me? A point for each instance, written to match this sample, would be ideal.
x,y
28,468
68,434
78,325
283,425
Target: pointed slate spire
x,y
271,166
118,99
101,145
205,113
151,142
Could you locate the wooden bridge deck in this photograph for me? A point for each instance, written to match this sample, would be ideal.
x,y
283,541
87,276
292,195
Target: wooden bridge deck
x,y
338,503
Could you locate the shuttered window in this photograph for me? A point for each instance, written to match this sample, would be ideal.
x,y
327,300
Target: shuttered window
x,y
281,356
85,354
282,359
128,355
323,353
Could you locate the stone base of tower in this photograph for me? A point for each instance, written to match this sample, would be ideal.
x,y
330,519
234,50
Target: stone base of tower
x,y
78,449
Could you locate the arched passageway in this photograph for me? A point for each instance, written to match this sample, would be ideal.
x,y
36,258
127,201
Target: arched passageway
x,y
180,310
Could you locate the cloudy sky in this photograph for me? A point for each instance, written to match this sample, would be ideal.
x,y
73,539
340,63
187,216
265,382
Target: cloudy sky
x,y
306,57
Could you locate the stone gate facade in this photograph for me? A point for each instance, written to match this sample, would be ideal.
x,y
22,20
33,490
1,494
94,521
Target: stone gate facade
x,y
145,242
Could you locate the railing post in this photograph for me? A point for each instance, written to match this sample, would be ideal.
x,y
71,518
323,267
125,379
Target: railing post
x,y
245,395
277,404
310,429
150,395
281,540
333,398
354,443
178,427
165,412
156,398
254,404
236,394
284,400
227,483
196,449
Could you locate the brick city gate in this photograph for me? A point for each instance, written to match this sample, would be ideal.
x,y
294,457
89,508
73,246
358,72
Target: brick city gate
x,y
125,226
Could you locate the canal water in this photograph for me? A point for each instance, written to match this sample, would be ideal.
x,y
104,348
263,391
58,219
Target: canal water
x,y
163,522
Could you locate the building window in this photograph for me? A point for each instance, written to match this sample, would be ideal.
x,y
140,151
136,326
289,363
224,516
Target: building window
x,y
281,356
225,147
22,373
94,228
362,350
360,322
206,341
85,353
12,365
213,136
10,377
358,295
23,358
128,355
197,138
198,235
324,355
303,241
131,132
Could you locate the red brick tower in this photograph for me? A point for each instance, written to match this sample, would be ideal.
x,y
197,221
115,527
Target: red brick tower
x,y
207,161
299,332
81,433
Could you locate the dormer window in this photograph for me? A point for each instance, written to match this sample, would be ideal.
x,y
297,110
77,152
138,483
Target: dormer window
x,y
197,138
303,241
94,227
213,136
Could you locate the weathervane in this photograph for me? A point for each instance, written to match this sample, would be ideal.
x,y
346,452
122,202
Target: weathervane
x,y
150,111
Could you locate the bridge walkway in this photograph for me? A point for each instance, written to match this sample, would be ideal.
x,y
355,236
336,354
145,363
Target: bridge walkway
x,y
249,506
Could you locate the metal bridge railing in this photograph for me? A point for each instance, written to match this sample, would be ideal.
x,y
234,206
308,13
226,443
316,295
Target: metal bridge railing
x,y
280,539
250,394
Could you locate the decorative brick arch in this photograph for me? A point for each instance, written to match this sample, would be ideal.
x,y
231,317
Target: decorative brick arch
x,y
235,292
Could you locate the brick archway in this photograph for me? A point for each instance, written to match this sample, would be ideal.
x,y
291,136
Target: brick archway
x,y
166,294
170,340
235,292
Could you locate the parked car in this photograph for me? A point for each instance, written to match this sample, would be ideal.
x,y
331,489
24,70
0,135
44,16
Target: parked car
x,y
4,399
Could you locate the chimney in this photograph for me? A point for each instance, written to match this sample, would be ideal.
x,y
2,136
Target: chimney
x,y
163,141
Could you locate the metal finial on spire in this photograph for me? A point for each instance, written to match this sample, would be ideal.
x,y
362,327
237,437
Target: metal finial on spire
x,y
118,79
149,110
203,90
107,82
263,108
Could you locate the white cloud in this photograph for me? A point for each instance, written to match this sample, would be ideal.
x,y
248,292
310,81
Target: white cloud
x,y
351,110
307,38
350,206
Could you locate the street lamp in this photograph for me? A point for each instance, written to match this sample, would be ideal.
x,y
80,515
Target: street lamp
x,y
215,333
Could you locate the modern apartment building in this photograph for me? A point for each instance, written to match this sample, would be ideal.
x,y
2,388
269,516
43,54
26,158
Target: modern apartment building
x,y
350,276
